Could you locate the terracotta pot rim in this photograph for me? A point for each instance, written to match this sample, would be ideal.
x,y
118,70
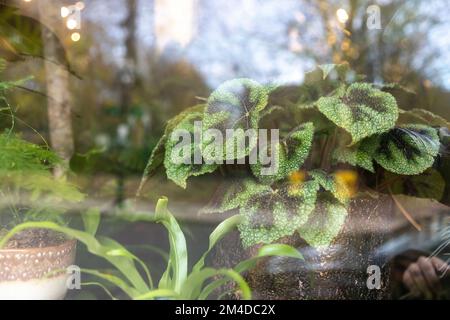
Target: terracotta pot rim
x,y
68,243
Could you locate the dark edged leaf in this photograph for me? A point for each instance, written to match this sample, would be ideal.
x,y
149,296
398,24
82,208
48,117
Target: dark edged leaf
x,y
341,184
182,158
421,116
275,213
360,154
429,184
325,223
157,156
288,156
406,150
235,105
232,194
361,110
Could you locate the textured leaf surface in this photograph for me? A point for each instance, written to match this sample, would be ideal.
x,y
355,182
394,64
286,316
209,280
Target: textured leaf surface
x,y
236,104
360,155
232,194
179,172
157,156
407,150
290,154
325,223
275,213
341,184
421,116
361,110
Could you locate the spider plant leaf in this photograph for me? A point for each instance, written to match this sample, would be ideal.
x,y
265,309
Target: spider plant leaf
x,y
275,213
361,109
176,272
235,106
406,150
91,220
219,232
325,224
289,155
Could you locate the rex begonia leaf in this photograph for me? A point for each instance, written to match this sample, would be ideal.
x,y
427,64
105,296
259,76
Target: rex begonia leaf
x,y
407,150
429,184
325,223
290,154
274,213
361,109
233,193
183,159
234,106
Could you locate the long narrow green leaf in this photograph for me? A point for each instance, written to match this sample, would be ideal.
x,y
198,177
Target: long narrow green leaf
x,y
178,263
195,281
158,293
222,229
280,250
129,290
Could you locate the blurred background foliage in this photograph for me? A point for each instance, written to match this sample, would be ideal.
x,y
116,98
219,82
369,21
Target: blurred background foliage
x,y
138,63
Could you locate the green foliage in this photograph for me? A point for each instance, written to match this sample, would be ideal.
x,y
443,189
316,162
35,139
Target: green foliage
x,y
361,109
406,150
232,193
332,184
178,171
360,155
177,282
332,119
290,154
274,213
18,154
429,184
236,104
325,224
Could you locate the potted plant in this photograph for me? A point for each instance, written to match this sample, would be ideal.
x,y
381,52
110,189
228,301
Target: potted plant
x,y
32,263
342,150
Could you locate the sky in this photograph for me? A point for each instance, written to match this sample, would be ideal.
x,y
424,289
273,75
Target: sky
x,y
251,38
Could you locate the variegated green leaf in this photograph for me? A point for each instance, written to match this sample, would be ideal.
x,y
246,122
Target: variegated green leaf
x,y
157,156
360,155
274,213
421,116
236,105
430,184
232,194
361,110
406,150
180,157
325,223
341,184
289,155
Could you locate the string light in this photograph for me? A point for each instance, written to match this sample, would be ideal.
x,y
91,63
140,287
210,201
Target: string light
x,y
65,12
71,23
342,15
75,36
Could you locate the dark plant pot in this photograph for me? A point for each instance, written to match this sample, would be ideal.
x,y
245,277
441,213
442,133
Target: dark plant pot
x,y
337,272
35,273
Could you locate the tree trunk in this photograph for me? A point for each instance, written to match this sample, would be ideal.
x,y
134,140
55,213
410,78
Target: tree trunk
x,y
57,81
